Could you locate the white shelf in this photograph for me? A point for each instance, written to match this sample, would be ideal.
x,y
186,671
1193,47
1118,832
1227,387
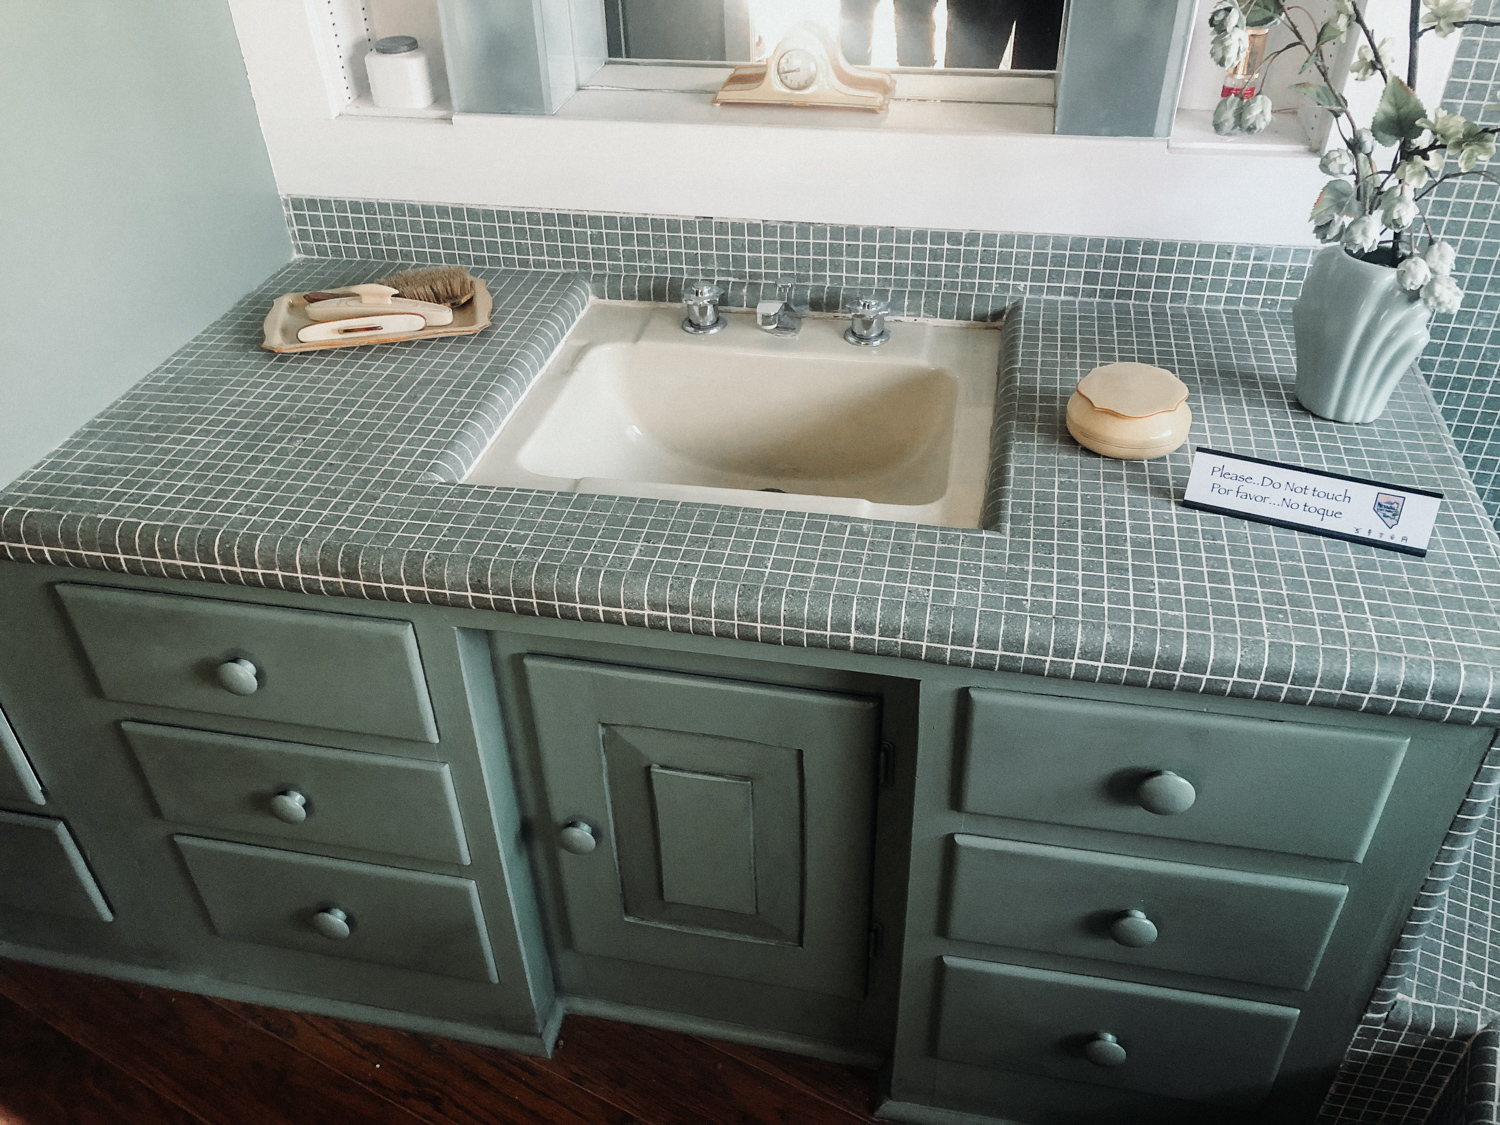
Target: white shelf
x,y
362,106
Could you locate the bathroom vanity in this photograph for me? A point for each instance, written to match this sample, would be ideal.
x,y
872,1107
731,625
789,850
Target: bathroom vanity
x,y
1111,811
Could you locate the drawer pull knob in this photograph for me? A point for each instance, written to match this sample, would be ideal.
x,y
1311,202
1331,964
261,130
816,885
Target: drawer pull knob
x,y
1166,793
1133,929
289,807
1104,1050
577,836
332,923
238,676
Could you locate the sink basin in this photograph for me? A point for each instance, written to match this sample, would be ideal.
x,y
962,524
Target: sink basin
x,y
633,406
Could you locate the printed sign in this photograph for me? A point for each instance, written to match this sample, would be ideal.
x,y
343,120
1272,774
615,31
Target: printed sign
x,y
1340,507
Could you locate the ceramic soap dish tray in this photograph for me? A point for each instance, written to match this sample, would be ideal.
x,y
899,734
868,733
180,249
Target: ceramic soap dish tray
x,y
288,316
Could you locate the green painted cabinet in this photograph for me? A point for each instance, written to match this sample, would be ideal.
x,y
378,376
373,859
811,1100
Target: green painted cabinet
x,y
1040,901
1133,907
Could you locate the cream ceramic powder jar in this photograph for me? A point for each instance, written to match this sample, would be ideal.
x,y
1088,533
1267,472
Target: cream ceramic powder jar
x,y
1130,411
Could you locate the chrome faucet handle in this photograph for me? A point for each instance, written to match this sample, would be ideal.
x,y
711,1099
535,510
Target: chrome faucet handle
x,y
701,299
867,322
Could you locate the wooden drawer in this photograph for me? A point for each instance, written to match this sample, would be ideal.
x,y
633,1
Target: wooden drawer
x,y
1253,783
409,919
1189,1045
305,667
1265,929
370,801
41,869
17,780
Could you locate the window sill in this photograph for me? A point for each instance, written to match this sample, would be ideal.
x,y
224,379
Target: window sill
x,y
1193,132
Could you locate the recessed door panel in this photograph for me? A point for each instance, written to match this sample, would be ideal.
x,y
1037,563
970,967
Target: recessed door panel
x,y
731,821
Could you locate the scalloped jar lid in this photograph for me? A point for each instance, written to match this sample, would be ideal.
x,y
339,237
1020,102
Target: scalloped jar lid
x,y
1130,411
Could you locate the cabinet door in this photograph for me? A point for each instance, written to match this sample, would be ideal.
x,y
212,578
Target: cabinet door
x,y
731,822
17,781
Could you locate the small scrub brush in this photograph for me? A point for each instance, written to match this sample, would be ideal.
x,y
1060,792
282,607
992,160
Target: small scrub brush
x,y
442,285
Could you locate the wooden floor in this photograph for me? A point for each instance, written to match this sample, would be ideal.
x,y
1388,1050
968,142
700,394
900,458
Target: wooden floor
x,y
79,1050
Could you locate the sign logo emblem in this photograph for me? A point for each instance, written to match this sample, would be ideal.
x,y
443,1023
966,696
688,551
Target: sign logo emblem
x,y
1388,508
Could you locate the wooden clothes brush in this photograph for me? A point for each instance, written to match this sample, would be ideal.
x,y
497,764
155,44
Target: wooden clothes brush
x,y
441,285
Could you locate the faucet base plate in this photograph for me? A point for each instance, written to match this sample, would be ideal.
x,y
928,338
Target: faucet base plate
x,y
867,341
703,329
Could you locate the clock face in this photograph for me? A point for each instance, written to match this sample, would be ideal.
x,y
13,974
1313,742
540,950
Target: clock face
x,y
797,69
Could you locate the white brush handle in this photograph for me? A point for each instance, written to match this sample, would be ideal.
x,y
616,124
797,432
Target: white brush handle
x,y
354,328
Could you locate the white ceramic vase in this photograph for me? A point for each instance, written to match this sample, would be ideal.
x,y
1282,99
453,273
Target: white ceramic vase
x,y
1357,333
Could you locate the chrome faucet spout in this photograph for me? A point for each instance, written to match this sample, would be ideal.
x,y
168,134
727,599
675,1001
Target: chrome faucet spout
x,y
780,317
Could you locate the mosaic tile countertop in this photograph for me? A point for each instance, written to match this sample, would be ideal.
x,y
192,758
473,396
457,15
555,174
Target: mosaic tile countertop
x,y
332,472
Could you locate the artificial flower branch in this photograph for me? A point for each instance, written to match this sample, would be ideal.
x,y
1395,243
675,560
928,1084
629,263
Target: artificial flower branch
x,y
1370,210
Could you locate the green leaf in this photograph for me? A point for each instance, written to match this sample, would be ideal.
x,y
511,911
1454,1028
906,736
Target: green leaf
x,y
1400,113
1322,95
1259,13
1333,29
1336,198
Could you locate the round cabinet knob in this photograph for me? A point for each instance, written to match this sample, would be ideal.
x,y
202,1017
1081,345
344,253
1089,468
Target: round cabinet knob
x,y
577,836
1166,793
1133,929
332,923
238,676
289,807
1104,1050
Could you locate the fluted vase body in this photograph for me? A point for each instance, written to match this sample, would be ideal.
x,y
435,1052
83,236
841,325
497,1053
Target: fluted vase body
x,y
1357,333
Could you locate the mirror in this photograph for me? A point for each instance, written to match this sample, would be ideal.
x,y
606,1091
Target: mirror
x,y
1021,35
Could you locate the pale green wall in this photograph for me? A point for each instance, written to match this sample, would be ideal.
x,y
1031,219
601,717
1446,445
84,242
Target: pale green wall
x,y
136,201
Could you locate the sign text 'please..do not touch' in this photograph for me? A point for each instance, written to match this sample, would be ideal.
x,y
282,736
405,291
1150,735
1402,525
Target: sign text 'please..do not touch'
x,y
1396,517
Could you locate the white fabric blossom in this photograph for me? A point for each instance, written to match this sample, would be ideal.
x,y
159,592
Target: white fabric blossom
x,y
1398,208
1227,17
1255,114
1446,127
1331,229
1364,142
1337,162
1440,256
1366,65
1444,16
1227,116
1228,48
1412,274
1442,295
1363,235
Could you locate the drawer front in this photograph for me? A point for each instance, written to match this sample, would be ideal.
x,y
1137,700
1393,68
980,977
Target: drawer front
x,y
308,794
296,666
1253,783
409,919
1264,929
41,869
17,780
1189,1045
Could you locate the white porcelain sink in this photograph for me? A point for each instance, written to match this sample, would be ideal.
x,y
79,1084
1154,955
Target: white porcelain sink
x,y
633,406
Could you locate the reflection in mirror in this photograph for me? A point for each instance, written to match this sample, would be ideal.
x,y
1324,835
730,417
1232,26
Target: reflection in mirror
x,y
978,34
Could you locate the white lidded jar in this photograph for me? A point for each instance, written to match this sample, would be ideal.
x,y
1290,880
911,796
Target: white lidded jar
x,y
399,75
